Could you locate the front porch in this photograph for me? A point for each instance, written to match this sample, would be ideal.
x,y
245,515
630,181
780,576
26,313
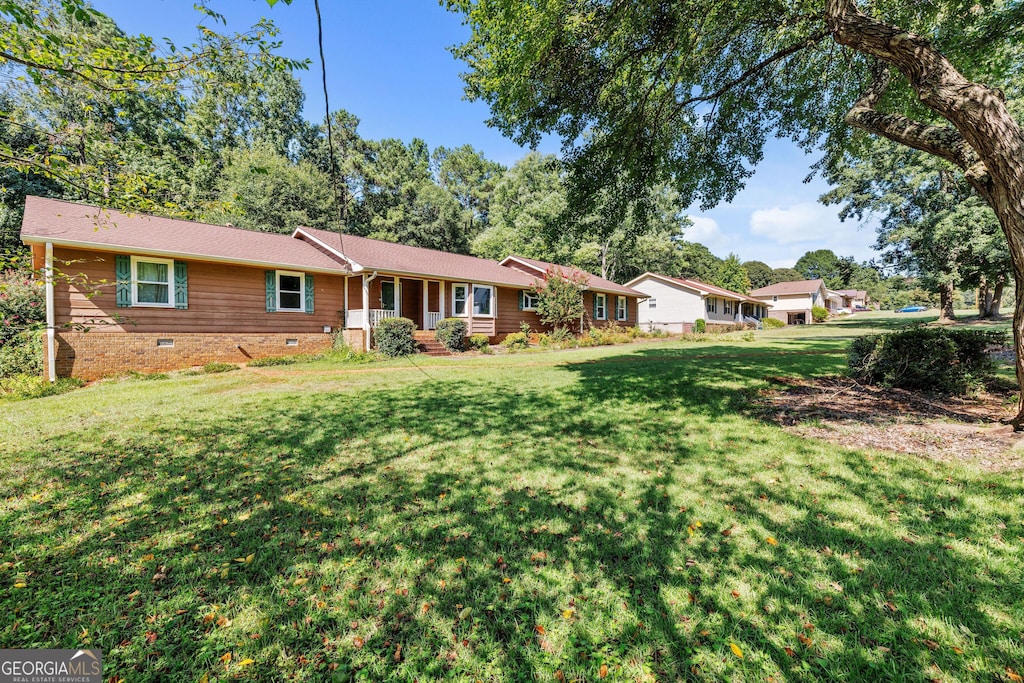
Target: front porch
x,y
372,297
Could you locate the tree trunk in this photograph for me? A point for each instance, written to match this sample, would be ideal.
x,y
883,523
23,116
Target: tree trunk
x,y
983,293
984,140
946,313
997,298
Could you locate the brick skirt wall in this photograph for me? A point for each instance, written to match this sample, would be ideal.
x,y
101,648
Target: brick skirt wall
x,y
90,355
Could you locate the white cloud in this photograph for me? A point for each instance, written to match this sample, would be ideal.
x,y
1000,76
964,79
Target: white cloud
x,y
707,232
804,222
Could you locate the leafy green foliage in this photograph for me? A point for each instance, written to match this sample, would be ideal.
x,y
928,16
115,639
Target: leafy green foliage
x,y
479,342
214,368
771,323
929,359
759,274
819,314
560,297
558,338
699,326
24,387
22,354
731,275
22,305
451,332
516,340
272,361
393,337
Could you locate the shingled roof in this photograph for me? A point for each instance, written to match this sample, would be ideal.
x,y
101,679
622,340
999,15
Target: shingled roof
x,y
593,281
796,287
90,227
702,287
369,254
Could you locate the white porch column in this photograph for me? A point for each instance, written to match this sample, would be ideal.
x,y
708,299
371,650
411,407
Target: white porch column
x,y
426,303
344,320
440,298
469,307
366,312
398,296
51,317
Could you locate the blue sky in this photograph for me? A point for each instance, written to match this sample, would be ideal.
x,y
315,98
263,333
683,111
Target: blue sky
x,y
388,63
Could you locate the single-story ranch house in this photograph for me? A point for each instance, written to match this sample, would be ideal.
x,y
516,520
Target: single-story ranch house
x,y
673,304
792,302
135,292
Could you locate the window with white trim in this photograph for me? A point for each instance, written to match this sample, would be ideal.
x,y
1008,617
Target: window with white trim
x,y
600,306
652,303
459,299
530,301
621,308
291,291
711,305
727,306
775,298
483,301
152,282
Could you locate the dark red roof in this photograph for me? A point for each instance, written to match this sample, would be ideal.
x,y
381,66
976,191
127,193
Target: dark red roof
x,y
593,281
797,287
702,287
373,254
90,227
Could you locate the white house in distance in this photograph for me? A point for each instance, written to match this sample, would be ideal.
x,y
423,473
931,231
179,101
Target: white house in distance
x,y
791,302
673,304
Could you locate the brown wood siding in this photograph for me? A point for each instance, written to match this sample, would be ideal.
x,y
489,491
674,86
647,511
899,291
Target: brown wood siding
x,y
221,298
433,296
509,315
412,301
588,311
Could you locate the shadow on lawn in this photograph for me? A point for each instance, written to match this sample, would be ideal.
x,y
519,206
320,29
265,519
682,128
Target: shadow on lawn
x,y
375,518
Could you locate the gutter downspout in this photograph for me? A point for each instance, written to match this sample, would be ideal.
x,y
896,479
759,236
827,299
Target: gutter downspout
x,y
51,318
366,309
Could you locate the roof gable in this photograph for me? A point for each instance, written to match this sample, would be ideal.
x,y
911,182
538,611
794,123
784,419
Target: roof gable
x,y
593,281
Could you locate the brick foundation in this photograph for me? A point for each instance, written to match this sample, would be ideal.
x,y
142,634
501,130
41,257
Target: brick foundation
x,y
90,355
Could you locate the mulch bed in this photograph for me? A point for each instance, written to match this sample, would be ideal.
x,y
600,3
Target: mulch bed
x,y
842,411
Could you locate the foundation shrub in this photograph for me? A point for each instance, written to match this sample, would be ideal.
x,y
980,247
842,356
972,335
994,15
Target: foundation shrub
x,y
451,332
393,337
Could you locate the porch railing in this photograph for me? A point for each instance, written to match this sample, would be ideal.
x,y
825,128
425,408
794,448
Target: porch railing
x,y
432,319
378,314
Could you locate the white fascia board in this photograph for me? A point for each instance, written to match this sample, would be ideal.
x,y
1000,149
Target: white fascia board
x,y
142,251
356,268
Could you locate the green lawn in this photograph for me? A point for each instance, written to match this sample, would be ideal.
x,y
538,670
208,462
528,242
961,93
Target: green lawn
x,y
540,516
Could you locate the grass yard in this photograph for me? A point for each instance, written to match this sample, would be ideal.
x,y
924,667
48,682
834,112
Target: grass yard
x,y
615,513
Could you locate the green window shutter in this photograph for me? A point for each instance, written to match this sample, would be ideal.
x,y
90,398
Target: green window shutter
x,y
180,284
521,295
594,295
123,272
271,276
309,293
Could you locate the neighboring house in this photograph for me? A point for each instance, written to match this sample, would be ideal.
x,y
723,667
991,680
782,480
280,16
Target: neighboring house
x,y
604,302
674,304
853,298
137,292
791,302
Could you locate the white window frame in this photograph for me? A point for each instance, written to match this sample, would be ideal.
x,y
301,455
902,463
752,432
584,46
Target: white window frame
x,y
775,298
600,306
726,307
530,301
621,312
135,282
711,305
652,303
465,299
302,291
493,300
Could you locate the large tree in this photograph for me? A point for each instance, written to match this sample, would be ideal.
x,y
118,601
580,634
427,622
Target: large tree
x,y
931,224
687,92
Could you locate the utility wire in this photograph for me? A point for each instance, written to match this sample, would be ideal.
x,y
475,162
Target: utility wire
x,y
339,192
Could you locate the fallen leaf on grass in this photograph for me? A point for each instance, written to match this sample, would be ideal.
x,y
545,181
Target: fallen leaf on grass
x,y
603,672
299,582
568,613
464,614
245,662
891,607
540,629
226,657
245,560
736,650
790,651
771,541
358,642
1013,675
735,594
